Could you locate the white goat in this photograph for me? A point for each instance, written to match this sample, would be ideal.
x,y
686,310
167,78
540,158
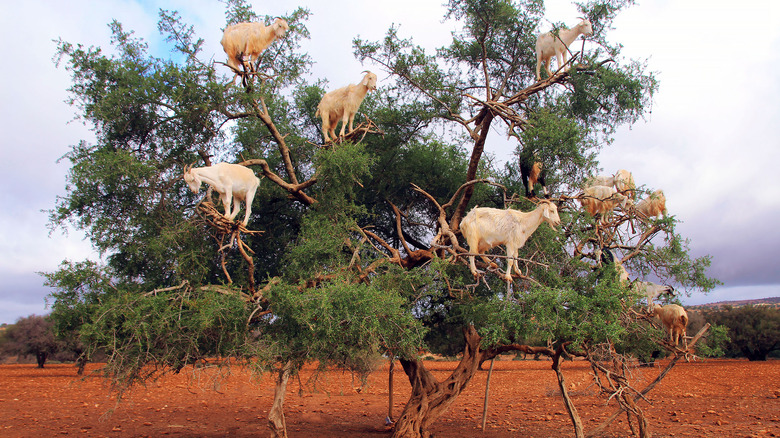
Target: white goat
x,y
622,180
601,200
652,206
231,181
675,320
548,45
652,291
485,228
244,42
342,104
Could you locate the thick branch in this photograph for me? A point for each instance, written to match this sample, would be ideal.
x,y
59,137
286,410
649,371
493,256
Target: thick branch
x,y
471,173
265,117
295,190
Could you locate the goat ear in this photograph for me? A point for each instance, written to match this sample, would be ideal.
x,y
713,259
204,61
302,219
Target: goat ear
x,y
546,211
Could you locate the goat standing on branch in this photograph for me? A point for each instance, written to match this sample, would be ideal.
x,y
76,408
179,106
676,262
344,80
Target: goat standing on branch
x,y
232,181
675,320
342,104
622,180
652,291
601,200
652,206
549,45
244,42
532,171
485,228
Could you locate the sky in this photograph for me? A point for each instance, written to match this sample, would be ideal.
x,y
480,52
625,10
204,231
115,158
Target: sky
x,y
709,142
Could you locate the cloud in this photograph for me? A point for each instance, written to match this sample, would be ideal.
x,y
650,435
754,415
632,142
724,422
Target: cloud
x,y
21,295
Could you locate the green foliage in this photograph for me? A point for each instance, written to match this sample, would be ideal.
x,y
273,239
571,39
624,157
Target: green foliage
x,y
753,331
562,146
340,323
80,287
153,332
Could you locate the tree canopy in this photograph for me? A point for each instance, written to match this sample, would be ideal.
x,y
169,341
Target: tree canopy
x,y
352,250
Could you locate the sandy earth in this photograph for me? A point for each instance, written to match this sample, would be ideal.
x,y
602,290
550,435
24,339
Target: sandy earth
x,y
717,398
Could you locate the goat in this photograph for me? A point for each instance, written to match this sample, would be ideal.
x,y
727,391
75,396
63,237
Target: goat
x,y
601,200
231,181
531,172
607,257
652,291
485,228
622,180
549,45
675,319
652,206
244,42
342,104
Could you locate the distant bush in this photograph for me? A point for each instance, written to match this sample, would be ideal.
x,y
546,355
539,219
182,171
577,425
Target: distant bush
x,y
754,331
30,336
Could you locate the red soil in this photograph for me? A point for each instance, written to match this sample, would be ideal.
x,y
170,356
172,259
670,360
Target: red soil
x,y
716,398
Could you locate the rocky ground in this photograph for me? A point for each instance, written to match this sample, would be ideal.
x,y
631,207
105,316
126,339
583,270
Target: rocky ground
x,y
716,398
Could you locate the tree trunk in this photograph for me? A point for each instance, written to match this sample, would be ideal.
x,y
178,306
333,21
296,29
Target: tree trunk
x,y
579,431
390,390
471,173
487,394
81,363
755,355
644,427
276,420
41,358
431,398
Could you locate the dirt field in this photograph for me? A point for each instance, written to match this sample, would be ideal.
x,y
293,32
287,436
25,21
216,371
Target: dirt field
x,y
717,398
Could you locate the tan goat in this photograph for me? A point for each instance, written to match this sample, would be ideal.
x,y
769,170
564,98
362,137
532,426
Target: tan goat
x,y
244,42
675,320
652,206
342,104
601,200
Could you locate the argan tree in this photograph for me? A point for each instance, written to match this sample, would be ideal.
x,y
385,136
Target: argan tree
x,y
352,250
30,336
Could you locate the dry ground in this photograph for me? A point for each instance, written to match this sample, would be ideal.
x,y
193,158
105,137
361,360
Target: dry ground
x,y
716,398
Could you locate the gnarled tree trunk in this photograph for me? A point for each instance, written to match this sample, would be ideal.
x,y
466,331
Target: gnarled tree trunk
x,y
431,398
276,420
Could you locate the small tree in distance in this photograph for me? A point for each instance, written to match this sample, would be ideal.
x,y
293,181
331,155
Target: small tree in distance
x,y
352,250
30,336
